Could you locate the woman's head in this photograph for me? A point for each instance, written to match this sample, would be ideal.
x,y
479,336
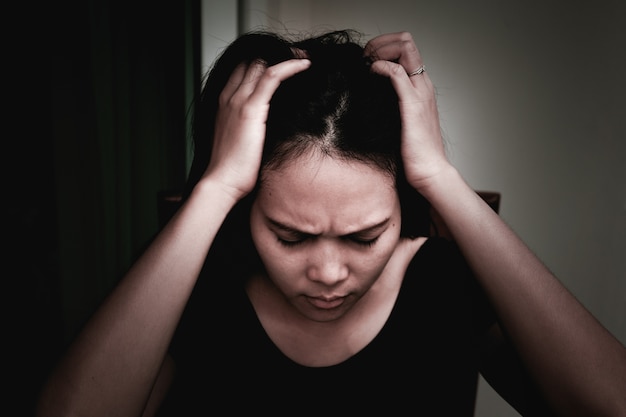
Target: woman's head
x,y
337,109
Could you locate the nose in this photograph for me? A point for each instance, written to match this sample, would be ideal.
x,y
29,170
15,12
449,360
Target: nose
x,y
327,264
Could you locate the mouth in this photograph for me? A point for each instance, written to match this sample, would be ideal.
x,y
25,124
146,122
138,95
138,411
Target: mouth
x,y
326,303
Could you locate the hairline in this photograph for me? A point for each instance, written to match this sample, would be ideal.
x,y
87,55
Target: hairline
x,y
312,146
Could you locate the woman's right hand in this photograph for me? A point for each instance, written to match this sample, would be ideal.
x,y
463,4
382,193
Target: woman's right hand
x,y
240,123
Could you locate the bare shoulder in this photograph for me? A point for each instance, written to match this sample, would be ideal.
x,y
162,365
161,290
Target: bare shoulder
x,y
407,248
396,268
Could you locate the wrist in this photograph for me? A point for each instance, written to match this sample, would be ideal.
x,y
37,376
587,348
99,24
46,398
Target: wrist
x,y
440,182
215,192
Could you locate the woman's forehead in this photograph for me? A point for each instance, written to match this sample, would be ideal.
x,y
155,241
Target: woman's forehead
x,y
318,169
315,159
327,192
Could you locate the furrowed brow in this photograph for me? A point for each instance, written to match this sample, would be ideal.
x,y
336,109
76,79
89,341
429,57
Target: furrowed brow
x,y
290,229
287,228
370,229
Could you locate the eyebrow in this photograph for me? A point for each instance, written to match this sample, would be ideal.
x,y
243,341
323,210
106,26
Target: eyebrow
x,y
290,229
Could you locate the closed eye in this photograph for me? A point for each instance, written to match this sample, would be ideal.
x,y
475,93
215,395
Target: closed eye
x,y
363,242
290,242
290,237
296,242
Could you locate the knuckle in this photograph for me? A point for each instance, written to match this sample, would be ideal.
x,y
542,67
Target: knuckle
x,y
406,36
230,101
407,41
410,46
257,70
271,73
247,110
397,69
223,99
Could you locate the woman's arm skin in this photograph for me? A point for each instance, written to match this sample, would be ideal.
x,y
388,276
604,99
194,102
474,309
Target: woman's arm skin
x,y
111,367
579,366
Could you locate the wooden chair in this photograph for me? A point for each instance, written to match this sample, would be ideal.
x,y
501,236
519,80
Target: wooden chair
x,y
168,202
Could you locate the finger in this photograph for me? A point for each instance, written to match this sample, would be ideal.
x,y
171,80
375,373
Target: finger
x,y
253,73
274,75
299,53
375,47
243,79
395,47
418,88
234,81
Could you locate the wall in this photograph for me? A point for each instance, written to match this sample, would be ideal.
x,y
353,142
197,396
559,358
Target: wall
x,y
532,104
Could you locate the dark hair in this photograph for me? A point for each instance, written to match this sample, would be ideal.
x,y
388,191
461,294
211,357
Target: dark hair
x,y
338,107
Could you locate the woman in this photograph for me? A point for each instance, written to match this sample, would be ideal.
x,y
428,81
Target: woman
x,y
297,277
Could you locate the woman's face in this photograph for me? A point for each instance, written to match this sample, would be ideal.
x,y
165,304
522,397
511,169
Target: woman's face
x,y
325,229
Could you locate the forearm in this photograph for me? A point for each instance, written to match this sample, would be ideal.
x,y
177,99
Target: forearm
x,y
112,365
576,361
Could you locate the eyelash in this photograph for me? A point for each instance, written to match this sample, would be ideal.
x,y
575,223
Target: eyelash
x,y
291,243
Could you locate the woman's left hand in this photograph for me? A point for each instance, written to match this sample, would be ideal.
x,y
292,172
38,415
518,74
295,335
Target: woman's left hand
x,y
396,56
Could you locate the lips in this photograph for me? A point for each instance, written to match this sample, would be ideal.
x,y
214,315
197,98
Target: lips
x,y
326,303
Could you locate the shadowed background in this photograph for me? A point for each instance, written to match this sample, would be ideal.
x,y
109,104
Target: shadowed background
x,y
532,105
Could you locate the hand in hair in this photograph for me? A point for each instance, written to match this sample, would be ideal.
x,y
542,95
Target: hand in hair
x,y
395,55
240,125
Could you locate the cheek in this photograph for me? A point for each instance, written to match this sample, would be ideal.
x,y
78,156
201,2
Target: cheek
x,y
264,242
374,261
273,255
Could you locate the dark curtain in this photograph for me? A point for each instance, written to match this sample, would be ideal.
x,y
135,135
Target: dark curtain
x,y
102,95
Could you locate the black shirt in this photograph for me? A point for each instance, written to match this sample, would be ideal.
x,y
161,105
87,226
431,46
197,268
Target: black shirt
x,y
424,360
